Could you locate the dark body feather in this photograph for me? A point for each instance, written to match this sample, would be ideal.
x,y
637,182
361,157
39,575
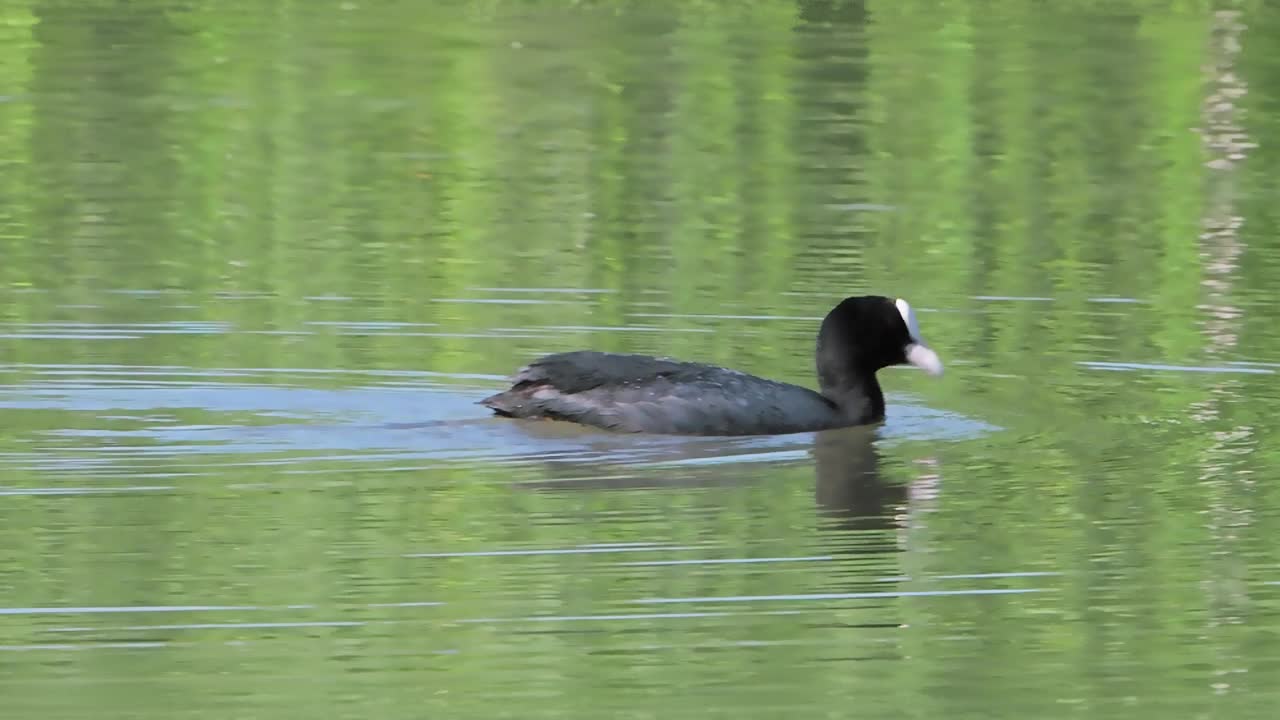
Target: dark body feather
x,y
637,393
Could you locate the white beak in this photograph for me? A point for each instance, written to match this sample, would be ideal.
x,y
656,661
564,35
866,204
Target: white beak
x,y
918,353
923,357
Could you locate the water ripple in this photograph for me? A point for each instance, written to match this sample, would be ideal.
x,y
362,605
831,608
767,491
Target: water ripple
x,y
839,596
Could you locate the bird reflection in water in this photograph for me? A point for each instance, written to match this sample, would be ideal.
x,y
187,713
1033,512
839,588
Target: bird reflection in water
x,y
850,491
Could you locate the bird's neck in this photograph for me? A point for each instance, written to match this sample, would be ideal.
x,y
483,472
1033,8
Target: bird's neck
x,y
858,398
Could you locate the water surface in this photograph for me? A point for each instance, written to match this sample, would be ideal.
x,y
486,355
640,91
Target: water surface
x,y
261,259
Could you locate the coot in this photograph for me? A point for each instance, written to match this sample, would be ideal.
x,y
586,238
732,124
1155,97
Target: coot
x,y
639,393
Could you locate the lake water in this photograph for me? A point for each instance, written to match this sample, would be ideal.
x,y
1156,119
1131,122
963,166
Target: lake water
x,y
258,260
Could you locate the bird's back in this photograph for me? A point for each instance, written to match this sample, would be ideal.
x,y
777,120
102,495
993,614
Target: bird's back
x,y
640,393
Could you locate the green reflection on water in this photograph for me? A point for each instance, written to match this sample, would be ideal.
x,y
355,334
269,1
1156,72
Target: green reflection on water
x,y
274,173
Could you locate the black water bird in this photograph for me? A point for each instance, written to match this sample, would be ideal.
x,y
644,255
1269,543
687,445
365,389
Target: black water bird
x,y
640,393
